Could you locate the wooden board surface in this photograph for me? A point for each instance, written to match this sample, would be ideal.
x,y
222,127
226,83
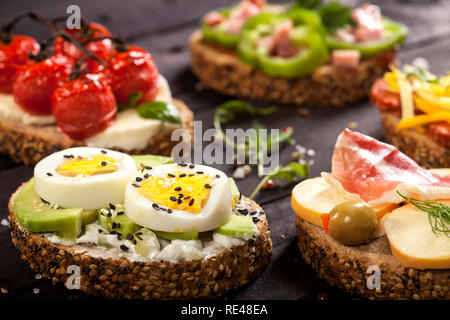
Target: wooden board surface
x,y
162,27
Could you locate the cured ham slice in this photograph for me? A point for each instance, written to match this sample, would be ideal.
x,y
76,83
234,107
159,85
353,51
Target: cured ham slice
x,y
369,26
345,58
244,10
375,170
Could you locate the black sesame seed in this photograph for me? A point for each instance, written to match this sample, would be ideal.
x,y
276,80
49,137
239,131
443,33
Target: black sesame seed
x,y
109,214
136,185
163,209
124,247
146,176
187,197
138,233
192,166
243,211
120,213
134,241
155,205
182,175
179,201
138,179
191,202
171,175
177,189
113,207
253,213
103,151
100,231
103,163
200,172
148,167
182,164
49,174
113,232
118,225
114,225
129,236
119,237
191,174
217,175
180,195
169,210
139,238
255,219
208,186
173,198
68,156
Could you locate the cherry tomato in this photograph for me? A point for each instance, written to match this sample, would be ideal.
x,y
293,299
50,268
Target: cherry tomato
x,y
133,71
103,48
13,55
35,83
84,106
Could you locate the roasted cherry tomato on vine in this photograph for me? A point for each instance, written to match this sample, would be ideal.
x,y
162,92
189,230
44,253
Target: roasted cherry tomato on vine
x,y
132,71
35,83
84,106
100,48
13,55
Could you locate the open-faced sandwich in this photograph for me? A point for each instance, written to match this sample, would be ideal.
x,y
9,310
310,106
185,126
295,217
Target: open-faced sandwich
x,y
309,53
92,90
138,227
415,111
378,225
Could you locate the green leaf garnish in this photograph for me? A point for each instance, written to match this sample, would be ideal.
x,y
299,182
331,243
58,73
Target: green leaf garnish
x,y
422,75
308,4
335,15
290,173
438,213
159,110
134,98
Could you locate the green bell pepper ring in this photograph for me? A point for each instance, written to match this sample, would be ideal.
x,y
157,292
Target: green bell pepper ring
x,y
394,33
310,18
217,34
312,55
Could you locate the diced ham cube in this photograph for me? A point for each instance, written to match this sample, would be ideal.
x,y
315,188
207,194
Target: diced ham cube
x,y
267,42
259,3
283,44
345,58
369,26
244,10
213,18
363,34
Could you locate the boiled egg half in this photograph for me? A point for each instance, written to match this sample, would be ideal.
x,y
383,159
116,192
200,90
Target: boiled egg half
x,y
179,198
87,178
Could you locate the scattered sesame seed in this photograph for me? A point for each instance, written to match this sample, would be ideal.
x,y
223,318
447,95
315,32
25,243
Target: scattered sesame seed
x,y
136,185
138,179
169,210
146,176
208,186
180,195
138,233
179,201
192,166
155,205
177,189
187,197
67,156
173,198
109,214
182,175
199,172
191,202
129,236
217,176
103,163
103,151
113,207
124,247
243,211
120,213
191,174
100,231
182,164
255,219
119,237
148,167
38,276
114,225
134,241
49,174
253,213
171,175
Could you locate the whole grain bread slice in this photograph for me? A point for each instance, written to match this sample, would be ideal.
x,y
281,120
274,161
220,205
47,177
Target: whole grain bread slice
x,y
418,146
119,277
347,267
222,71
28,144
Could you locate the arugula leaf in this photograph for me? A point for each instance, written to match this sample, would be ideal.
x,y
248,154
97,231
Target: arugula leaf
x,y
132,99
289,173
308,4
335,15
159,110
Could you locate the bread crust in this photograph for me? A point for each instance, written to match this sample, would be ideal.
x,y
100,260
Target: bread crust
x,y
122,278
221,70
28,144
418,146
346,267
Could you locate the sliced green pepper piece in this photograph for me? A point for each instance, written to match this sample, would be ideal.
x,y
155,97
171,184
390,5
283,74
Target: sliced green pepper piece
x,y
218,35
394,33
313,54
310,18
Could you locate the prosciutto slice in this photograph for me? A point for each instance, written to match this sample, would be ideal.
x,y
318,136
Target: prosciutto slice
x,y
375,170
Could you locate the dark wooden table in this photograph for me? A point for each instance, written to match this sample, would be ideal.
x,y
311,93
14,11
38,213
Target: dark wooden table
x,y
162,27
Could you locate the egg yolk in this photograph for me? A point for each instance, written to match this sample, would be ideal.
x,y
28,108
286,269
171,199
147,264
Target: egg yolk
x,y
88,166
179,191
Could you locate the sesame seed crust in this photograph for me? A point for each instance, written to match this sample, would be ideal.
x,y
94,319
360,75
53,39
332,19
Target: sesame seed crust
x,y
418,146
346,266
28,144
222,71
121,278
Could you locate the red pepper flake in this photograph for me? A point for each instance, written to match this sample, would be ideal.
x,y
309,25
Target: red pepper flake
x,y
270,184
325,221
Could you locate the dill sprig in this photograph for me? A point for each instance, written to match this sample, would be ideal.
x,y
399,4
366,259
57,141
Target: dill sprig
x,y
438,213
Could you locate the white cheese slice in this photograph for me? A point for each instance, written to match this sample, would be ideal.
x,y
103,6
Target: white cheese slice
x,y
131,132
412,240
11,111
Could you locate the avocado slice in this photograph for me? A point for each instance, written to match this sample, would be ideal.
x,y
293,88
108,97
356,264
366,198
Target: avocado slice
x,y
125,224
150,160
190,235
238,227
36,215
235,194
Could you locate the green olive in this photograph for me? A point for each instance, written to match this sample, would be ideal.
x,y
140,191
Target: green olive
x,y
352,222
